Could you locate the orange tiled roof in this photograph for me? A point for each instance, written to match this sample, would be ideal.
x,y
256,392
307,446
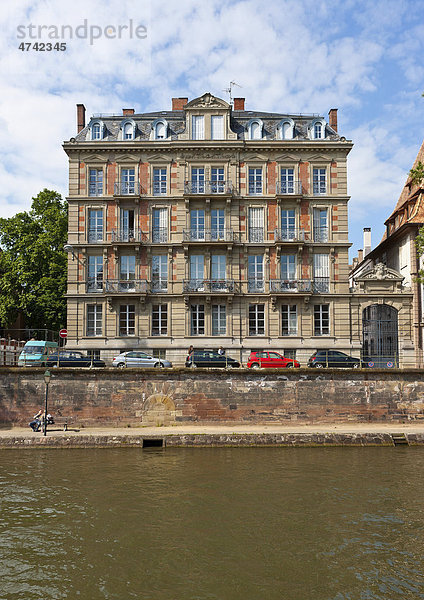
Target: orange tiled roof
x,y
409,190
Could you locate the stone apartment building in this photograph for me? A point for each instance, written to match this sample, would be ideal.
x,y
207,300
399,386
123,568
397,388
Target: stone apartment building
x,y
209,225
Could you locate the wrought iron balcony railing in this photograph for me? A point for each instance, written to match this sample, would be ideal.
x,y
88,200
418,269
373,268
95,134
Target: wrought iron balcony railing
x,y
160,235
159,188
321,234
255,285
208,235
209,285
127,188
319,189
128,235
94,284
95,189
321,285
290,285
256,234
126,285
159,285
289,234
208,187
289,187
95,236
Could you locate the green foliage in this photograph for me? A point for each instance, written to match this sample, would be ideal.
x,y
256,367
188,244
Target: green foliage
x,y
417,174
33,264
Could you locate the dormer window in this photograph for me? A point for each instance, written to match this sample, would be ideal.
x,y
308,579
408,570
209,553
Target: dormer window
x,y
128,130
317,129
97,130
254,129
160,129
285,130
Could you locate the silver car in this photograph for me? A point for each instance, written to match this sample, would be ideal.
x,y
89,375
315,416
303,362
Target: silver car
x,y
136,358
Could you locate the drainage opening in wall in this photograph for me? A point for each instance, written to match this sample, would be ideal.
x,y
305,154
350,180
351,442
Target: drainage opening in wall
x,y
153,443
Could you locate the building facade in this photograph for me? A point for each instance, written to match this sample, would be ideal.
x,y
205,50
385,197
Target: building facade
x,y
209,225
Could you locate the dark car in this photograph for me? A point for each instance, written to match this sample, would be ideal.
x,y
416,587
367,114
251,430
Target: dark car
x,y
270,360
73,359
333,358
210,358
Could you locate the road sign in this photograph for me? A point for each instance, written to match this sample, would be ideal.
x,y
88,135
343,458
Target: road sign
x,y
63,333
390,364
370,364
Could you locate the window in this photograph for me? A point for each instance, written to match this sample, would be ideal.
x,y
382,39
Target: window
x,y
255,273
287,181
254,129
95,274
93,354
161,130
159,182
94,319
126,224
217,180
95,187
318,131
197,319
320,223
321,273
127,273
321,319
288,224
95,225
197,269
255,181
217,224
127,181
217,127
97,131
198,180
159,273
160,225
288,319
198,127
256,225
197,224
290,354
128,131
219,318
288,267
159,319
257,319
286,129
319,182
127,319
218,272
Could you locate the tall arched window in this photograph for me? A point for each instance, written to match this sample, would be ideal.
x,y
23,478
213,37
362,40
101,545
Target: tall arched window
x,y
285,130
254,129
317,129
160,131
128,131
96,131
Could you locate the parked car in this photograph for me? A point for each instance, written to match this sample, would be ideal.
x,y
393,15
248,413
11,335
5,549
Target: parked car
x,y
210,358
73,359
270,360
333,358
136,358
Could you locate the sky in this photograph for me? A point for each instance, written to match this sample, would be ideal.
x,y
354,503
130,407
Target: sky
x,y
288,56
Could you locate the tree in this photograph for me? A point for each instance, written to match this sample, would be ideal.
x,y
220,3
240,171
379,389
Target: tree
x,y
33,264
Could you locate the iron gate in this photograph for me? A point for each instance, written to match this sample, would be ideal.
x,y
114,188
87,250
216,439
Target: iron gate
x,y
380,336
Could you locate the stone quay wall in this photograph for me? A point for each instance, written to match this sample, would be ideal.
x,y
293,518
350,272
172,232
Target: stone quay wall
x,y
136,397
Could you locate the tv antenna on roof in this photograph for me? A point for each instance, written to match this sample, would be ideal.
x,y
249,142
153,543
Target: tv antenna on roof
x,y
229,90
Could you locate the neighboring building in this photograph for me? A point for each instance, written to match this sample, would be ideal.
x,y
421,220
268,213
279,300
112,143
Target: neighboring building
x,y
209,225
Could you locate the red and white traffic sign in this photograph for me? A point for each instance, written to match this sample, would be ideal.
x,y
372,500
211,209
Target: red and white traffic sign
x,y
63,333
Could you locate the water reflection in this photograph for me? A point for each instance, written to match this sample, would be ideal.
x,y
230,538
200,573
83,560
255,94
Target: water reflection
x,y
295,524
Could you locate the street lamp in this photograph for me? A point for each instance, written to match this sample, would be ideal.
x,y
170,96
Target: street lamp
x,y
47,377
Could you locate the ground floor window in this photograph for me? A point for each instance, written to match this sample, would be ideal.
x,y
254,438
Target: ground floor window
x,y
159,353
127,319
197,319
321,319
94,319
160,319
257,319
93,354
219,319
290,354
288,319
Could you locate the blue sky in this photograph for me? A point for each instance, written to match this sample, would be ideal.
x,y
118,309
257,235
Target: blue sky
x,y
303,56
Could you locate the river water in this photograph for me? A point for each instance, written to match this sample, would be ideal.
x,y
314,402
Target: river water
x,y
203,524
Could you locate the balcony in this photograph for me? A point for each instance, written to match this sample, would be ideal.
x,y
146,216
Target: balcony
x,y
290,286
288,188
256,235
159,285
321,285
128,188
95,189
289,234
128,235
160,235
208,235
95,236
209,285
208,187
127,286
255,286
321,234
94,285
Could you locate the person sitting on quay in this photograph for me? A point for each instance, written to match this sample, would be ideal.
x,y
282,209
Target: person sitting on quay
x,y
37,420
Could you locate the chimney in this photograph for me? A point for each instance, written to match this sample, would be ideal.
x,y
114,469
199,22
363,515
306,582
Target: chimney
x,y
238,103
80,117
360,255
367,240
332,118
179,103
127,112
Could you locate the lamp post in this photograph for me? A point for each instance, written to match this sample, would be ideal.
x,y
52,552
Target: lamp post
x,y
47,377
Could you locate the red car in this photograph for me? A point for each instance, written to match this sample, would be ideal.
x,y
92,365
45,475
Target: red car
x,y
270,360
